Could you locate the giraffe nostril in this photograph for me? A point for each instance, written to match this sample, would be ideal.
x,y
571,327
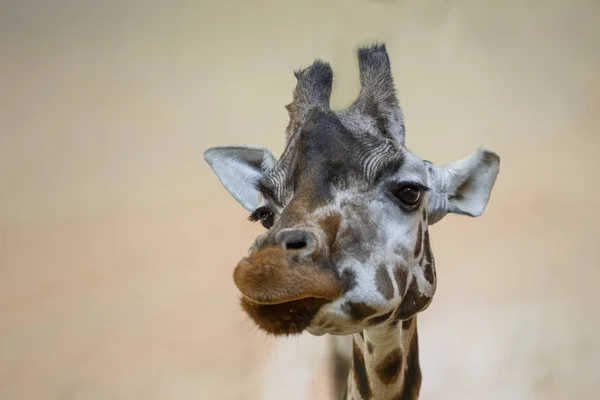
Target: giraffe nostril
x,y
295,245
297,240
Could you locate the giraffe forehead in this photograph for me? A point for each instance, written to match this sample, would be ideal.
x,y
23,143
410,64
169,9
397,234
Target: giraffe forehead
x,y
327,155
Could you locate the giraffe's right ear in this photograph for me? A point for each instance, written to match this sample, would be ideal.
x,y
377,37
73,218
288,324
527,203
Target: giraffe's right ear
x,y
463,186
239,168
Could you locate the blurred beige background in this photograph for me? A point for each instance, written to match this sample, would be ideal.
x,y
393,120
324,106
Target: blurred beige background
x,y
117,243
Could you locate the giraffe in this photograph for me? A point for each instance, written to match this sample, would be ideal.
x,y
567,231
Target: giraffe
x,y
347,209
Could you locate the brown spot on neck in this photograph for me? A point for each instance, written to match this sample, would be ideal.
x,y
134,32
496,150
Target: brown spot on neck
x,y
370,347
412,373
341,368
389,368
359,370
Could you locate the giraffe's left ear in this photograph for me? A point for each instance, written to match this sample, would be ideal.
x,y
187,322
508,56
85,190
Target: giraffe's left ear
x,y
463,186
239,168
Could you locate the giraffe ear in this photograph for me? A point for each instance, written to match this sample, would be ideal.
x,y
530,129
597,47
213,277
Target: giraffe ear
x,y
463,186
239,168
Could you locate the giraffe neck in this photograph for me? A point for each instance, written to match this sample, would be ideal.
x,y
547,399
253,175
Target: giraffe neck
x,y
385,363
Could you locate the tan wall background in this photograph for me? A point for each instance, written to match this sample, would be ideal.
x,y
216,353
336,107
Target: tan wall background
x,y
117,243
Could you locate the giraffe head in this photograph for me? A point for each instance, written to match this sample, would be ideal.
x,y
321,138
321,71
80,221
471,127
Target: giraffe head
x,y
346,209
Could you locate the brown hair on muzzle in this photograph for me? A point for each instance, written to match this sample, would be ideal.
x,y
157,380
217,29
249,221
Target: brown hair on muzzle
x,y
283,287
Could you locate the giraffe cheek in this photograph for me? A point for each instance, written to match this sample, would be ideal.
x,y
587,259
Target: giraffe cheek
x,y
413,302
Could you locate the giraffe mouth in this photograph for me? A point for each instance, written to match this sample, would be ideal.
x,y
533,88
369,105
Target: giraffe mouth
x,y
282,293
270,277
282,301
283,318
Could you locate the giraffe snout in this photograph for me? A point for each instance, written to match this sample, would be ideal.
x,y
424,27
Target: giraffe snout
x,y
275,275
281,290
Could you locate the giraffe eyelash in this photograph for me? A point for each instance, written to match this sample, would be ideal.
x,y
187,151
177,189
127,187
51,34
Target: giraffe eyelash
x,y
255,215
414,184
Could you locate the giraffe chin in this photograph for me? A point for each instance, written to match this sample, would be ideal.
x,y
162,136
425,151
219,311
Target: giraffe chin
x,y
286,318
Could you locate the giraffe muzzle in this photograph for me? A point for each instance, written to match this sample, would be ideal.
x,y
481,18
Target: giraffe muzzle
x,y
281,291
271,276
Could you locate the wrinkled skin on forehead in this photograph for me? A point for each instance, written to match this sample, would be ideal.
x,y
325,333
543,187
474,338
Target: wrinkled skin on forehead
x,y
347,208
323,159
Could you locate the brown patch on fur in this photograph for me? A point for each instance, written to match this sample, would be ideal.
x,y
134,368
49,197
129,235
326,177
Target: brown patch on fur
x,y
412,303
429,267
383,282
296,210
283,319
341,368
330,225
351,240
428,272
407,324
401,276
380,318
419,240
370,347
270,276
389,369
360,372
412,374
358,311
348,280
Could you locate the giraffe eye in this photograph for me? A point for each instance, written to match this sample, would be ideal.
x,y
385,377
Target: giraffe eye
x,y
408,194
264,215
